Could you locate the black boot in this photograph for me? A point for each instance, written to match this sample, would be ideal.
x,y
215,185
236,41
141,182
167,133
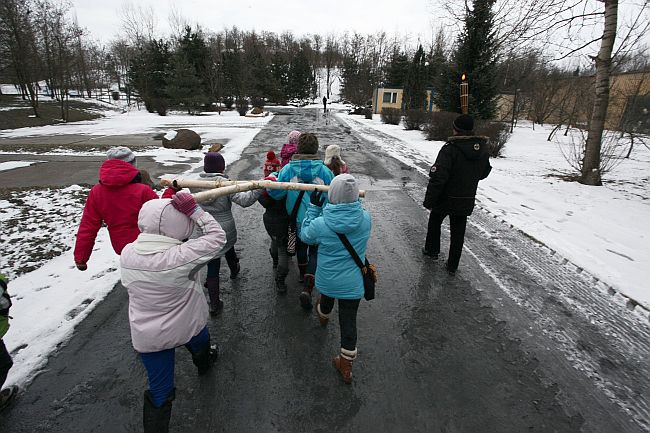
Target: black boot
x,y
204,359
156,419
216,304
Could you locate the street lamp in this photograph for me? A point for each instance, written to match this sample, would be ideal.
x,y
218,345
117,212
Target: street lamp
x,y
464,94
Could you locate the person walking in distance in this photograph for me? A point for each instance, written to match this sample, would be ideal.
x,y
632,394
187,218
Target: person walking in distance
x,y
167,309
324,104
337,274
461,163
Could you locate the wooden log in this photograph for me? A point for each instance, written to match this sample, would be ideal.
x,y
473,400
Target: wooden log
x,y
262,184
215,193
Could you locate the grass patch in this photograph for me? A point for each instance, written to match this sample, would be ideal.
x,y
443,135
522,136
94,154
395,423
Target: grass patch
x,y
50,112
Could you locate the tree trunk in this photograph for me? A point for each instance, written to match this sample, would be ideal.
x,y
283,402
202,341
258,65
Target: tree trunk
x,y
591,162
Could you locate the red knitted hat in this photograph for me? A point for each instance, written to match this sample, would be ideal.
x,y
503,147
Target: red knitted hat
x,y
270,155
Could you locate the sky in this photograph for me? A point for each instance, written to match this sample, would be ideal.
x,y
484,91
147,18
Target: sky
x,y
410,18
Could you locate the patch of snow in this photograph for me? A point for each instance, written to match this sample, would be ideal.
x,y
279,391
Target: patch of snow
x,y
50,295
171,135
10,165
601,229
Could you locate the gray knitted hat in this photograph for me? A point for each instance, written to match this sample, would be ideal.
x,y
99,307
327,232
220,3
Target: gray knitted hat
x,y
122,153
343,189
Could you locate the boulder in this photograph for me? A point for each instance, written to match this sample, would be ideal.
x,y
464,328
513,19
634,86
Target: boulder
x,y
257,110
184,139
216,147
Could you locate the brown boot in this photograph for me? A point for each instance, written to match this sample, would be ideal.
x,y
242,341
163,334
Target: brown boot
x,y
302,269
305,295
322,318
343,363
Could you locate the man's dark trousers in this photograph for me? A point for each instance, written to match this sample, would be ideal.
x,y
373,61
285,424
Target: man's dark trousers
x,y
457,224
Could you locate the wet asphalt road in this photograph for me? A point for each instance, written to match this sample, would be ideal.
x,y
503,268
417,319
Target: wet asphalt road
x,y
498,348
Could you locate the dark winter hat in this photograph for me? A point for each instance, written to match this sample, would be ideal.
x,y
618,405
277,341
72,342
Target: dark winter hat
x,y
308,144
270,155
213,163
464,123
122,153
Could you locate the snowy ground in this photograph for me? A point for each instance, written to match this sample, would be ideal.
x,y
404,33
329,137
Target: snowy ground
x,y
39,225
600,229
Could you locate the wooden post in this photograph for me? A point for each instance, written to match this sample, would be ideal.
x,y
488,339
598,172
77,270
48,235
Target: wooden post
x,y
464,94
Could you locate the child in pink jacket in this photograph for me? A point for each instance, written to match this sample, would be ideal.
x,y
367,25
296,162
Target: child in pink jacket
x,y
289,148
167,309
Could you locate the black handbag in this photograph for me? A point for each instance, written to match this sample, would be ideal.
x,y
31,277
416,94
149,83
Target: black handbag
x,y
368,271
292,232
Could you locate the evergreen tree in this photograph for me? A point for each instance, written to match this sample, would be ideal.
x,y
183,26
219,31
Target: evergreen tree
x,y
300,77
476,56
149,75
398,69
415,87
185,88
279,71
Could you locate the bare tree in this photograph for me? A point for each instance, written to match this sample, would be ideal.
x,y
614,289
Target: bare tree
x,y
17,35
591,167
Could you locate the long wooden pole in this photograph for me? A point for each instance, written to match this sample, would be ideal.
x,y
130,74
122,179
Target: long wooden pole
x,y
234,186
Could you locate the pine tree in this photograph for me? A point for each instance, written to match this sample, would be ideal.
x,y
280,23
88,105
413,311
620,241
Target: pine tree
x,y
300,77
397,69
415,86
476,56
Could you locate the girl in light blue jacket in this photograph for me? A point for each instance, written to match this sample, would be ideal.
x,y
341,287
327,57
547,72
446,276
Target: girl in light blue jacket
x,y
337,274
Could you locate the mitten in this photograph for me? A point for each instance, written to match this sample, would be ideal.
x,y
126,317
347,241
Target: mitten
x,y
317,198
184,203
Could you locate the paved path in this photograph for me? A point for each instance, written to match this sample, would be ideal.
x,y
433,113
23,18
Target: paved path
x,y
518,341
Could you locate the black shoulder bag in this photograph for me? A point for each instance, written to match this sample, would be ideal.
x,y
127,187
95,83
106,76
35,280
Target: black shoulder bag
x,y
368,271
292,233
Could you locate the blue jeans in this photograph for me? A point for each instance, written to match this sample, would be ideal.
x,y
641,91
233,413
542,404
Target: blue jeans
x,y
160,367
214,265
307,254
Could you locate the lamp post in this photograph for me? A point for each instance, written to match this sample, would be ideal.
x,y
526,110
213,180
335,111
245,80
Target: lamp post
x,y
464,94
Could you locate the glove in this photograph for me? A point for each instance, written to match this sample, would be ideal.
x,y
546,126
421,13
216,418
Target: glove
x,y
184,203
317,198
81,266
271,177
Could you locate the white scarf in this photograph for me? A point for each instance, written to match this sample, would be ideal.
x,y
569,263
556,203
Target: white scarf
x,y
148,243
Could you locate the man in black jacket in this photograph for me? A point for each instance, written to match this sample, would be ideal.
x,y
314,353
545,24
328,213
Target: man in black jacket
x,y
453,179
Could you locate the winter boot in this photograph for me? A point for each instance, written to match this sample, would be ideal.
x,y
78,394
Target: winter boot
x,y
451,272
305,295
7,396
203,359
156,419
302,269
234,271
275,259
216,304
322,318
343,363
280,284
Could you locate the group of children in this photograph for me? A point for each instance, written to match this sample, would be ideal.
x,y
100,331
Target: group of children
x,y
167,245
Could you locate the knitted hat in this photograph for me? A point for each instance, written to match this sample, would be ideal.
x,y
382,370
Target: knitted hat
x,y
343,189
122,153
308,144
464,123
213,163
332,151
293,137
270,155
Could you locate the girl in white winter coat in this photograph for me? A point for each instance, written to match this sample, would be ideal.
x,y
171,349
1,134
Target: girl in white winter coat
x,y
167,308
